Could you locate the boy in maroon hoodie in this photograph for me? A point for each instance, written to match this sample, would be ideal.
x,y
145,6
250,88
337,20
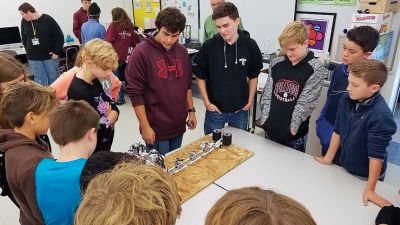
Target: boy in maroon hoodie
x,y
159,81
81,17
26,107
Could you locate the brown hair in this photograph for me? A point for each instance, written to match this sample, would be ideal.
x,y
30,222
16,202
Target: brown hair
x,y
295,32
121,17
171,19
22,98
98,51
10,68
371,70
130,194
254,206
70,121
25,7
225,9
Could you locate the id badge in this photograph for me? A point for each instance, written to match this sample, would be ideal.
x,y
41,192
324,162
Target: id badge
x,y
35,41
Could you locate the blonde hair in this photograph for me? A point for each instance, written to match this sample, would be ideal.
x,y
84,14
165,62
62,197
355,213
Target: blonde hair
x,y
254,206
295,32
22,98
99,52
131,193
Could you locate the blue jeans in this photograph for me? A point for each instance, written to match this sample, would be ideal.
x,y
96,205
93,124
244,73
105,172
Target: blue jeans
x,y
45,72
214,120
163,147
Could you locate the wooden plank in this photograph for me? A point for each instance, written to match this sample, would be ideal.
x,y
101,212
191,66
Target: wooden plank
x,y
206,170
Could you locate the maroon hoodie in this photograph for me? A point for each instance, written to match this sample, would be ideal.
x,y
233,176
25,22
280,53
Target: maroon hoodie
x,y
121,39
159,79
21,158
80,17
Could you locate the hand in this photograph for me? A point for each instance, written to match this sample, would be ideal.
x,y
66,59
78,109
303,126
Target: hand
x,y
212,108
108,108
53,55
322,160
370,195
148,135
293,132
247,106
192,122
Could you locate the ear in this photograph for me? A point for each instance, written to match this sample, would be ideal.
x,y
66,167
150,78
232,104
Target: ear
x,y
92,134
375,88
29,118
366,55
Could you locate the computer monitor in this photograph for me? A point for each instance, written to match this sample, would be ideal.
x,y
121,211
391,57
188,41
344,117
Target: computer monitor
x,y
10,37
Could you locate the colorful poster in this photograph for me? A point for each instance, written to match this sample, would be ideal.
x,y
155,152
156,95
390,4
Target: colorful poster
x,y
137,4
317,33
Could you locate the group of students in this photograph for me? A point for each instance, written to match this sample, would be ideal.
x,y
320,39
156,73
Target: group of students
x,y
159,84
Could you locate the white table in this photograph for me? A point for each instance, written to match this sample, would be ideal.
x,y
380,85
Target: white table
x,y
332,195
194,211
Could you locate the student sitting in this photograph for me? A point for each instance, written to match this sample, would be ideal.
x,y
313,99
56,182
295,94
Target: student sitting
x,y
363,128
292,89
111,86
130,194
98,61
254,206
26,107
73,126
358,45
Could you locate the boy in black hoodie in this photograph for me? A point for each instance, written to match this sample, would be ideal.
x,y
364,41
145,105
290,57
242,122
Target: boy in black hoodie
x,y
26,106
159,81
292,90
227,67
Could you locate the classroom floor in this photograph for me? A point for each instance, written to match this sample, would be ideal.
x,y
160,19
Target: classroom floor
x,y
127,133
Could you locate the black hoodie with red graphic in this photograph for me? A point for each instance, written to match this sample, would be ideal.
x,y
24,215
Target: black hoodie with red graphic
x,y
159,79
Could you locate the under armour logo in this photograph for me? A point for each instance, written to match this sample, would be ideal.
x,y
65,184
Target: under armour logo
x,y
164,69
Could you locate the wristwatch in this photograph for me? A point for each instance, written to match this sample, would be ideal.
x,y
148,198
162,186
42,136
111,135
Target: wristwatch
x,y
192,109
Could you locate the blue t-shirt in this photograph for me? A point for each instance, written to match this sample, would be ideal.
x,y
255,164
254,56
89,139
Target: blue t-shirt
x,y
57,190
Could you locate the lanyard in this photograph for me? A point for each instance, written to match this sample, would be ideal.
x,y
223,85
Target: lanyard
x,y
34,29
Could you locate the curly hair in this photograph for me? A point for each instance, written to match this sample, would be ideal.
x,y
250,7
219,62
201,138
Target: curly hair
x,y
171,19
130,194
254,206
98,51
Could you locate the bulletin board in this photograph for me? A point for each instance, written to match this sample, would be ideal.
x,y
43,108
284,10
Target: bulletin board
x,y
145,12
190,8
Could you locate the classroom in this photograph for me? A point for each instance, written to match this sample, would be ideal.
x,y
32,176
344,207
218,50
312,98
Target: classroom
x,y
193,112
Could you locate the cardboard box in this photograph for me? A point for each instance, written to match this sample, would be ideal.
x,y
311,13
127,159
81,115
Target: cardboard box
x,y
380,6
381,22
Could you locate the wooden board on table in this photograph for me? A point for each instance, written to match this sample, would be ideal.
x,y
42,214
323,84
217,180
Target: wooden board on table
x,y
206,170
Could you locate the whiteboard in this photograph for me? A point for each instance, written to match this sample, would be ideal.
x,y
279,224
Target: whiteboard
x,y
265,20
190,8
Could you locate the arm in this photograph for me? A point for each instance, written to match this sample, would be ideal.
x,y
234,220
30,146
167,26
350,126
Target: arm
x,y
333,148
252,92
308,99
192,122
62,83
102,33
148,134
375,167
58,39
115,86
23,36
266,96
201,85
77,27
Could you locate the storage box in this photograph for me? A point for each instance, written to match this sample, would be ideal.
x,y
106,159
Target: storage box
x,y
380,6
381,22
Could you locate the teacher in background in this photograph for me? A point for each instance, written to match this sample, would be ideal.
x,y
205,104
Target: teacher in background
x,y
43,41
